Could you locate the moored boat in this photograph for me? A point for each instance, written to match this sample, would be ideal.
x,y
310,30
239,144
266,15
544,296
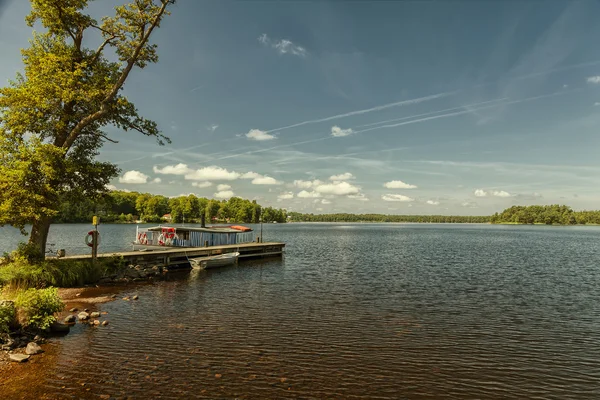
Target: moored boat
x,y
161,237
214,261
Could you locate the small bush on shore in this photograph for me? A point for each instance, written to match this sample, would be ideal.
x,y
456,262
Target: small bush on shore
x,y
8,315
39,306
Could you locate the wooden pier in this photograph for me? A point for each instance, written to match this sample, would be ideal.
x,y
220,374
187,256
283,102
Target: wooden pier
x,y
180,255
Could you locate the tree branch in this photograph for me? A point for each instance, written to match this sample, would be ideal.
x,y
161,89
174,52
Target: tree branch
x,y
117,86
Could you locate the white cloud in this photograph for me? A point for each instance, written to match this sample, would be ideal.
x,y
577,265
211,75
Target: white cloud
x,y
480,193
433,202
257,134
224,194
213,127
110,187
223,187
597,104
265,180
342,177
179,169
212,174
594,79
336,131
337,188
307,195
469,204
396,197
202,184
306,184
325,201
156,180
398,185
250,175
360,197
285,196
133,177
501,193
282,46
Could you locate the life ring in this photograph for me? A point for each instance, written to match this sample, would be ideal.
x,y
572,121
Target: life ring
x,y
161,240
142,238
89,239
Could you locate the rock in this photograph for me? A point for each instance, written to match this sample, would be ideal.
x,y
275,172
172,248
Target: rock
x,y
95,314
39,339
96,322
114,296
73,310
104,323
136,297
83,316
33,349
126,298
70,319
105,280
57,327
131,273
86,310
19,357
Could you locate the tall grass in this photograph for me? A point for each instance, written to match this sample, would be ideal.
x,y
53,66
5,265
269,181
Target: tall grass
x,y
19,273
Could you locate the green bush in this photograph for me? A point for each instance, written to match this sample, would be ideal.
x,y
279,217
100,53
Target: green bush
x,y
8,316
39,306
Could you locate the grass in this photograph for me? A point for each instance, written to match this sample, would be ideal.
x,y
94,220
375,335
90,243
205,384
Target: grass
x,y
19,273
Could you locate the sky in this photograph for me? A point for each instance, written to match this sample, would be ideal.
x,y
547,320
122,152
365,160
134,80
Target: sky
x,y
397,107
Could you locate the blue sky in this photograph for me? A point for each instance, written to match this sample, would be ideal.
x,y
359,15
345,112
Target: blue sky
x,y
393,107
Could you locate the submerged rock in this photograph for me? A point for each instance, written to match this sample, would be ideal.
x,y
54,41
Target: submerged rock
x,y
19,357
104,323
136,297
57,327
33,349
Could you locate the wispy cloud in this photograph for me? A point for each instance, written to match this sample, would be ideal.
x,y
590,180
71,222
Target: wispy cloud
x,y
202,184
213,127
396,197
257,134
433,202
197,88
594,79
367,110
341,177
285,196
283,46
222,187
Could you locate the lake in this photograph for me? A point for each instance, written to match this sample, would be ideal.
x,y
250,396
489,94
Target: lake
x,y
353,311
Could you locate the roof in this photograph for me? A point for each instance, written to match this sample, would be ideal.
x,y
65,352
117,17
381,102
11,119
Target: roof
x,y
213,229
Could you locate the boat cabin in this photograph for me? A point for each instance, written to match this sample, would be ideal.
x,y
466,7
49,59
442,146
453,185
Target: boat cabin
x,y
171,236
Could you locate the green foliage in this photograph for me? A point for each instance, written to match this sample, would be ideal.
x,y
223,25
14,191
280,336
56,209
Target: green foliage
x,y
39,306
550,215
54,114
8,316
298,217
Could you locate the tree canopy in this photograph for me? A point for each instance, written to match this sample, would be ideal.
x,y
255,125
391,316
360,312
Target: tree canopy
x,y
53,115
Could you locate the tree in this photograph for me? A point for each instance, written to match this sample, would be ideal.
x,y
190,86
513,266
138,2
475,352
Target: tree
x,y
52,116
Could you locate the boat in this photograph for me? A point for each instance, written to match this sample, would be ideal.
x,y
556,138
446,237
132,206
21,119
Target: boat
x,y
214,261
161,237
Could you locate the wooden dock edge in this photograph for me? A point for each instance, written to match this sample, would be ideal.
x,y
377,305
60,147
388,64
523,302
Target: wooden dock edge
x,y
175,256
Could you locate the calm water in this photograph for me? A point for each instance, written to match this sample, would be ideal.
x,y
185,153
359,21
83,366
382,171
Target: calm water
x,y
357,312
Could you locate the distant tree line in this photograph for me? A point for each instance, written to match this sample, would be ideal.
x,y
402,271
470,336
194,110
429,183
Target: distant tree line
x,y
119,206
549,215
298,217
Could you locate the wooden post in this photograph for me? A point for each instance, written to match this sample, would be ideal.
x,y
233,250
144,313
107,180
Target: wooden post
x,y
95,239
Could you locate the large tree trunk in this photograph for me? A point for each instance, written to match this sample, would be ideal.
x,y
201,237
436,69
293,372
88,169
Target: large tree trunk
x,y
39,235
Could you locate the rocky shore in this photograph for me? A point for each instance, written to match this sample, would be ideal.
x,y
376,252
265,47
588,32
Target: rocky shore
x,y
80,308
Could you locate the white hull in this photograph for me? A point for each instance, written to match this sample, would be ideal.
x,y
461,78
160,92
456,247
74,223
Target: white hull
x,y
215,261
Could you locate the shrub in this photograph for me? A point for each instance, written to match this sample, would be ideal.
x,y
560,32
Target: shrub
x,y
39,306
8,316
